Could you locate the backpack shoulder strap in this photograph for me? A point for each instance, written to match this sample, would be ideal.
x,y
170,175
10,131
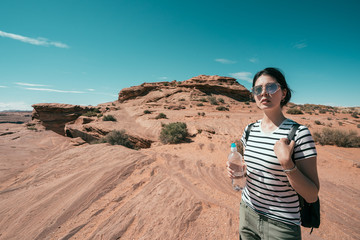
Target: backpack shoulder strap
x,y
247,134
293,130
291,134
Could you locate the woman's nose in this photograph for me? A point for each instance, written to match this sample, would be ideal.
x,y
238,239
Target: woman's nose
x,y
263,91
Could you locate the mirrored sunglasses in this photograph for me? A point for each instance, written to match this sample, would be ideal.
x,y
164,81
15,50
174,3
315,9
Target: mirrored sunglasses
x,y
270,88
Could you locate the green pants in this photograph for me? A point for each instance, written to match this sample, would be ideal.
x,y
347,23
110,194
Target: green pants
x,y
256,226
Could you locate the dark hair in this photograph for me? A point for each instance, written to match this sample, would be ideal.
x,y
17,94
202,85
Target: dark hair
x,y
279,77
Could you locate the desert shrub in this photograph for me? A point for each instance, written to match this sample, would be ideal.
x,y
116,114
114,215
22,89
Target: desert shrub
x,y
32,128
109,118
340,123
117,138
182,99
222,108
294,111
358,126
221,100
147,112
199,104
322,111
337,137
201,114
161,115
247,103
329,118
213,101
317,122
203,100
91,113
173,133
99,115
355,115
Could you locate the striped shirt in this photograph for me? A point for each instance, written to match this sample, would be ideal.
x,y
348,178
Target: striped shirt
x,y
267,189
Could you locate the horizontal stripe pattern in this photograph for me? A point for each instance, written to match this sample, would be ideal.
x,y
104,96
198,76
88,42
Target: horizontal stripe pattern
x,y
267,189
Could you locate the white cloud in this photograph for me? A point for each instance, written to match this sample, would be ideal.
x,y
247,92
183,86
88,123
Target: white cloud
x,y
163,78
22,106
246,76
301,44
30,84
91,90
52,90
38,41
253,60
3,86
224,61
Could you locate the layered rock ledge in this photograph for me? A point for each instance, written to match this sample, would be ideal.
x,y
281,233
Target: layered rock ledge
x,y
54,116
208,84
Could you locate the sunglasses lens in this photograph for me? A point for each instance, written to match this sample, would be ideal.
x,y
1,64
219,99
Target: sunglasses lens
x,y
257,90
272,88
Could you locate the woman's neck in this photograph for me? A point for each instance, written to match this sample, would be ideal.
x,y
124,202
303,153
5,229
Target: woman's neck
x,y
272,119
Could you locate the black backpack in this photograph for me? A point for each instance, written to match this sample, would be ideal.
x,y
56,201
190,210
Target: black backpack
x,y
309,212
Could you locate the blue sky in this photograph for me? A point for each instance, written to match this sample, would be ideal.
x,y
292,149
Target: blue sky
x,y
85,52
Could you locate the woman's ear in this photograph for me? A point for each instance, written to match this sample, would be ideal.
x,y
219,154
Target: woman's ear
x,y
284,91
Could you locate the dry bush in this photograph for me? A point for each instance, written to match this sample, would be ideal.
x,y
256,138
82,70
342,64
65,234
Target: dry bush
x,y
337,137
213,101
222,108
355,115
317,122
173,133
92,113
294,111
117,138
161,115
109,118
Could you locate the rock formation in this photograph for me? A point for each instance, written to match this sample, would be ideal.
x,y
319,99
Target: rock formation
x,y
208,84
66,119
54,116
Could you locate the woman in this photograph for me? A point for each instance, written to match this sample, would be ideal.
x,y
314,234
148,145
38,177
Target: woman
x,y
269,207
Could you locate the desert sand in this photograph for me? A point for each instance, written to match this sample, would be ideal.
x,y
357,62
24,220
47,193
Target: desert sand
x,y
57,187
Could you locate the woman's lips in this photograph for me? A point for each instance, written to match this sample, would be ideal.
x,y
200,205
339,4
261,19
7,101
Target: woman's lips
x,y
265,101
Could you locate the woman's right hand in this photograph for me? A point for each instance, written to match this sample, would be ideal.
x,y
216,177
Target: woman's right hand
x,y
230,172
231,168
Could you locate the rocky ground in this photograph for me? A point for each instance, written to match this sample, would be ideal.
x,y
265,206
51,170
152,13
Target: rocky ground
x,y
58,187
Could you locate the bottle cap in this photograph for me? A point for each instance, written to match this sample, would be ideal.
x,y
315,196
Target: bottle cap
x,y
233,145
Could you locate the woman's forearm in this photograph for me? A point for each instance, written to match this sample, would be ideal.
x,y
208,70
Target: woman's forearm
x,y
303,185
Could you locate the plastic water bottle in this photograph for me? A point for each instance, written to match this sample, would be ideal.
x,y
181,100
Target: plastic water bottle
x,y
237,165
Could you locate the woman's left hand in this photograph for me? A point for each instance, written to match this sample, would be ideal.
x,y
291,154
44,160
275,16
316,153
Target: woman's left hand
x,y
283,150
